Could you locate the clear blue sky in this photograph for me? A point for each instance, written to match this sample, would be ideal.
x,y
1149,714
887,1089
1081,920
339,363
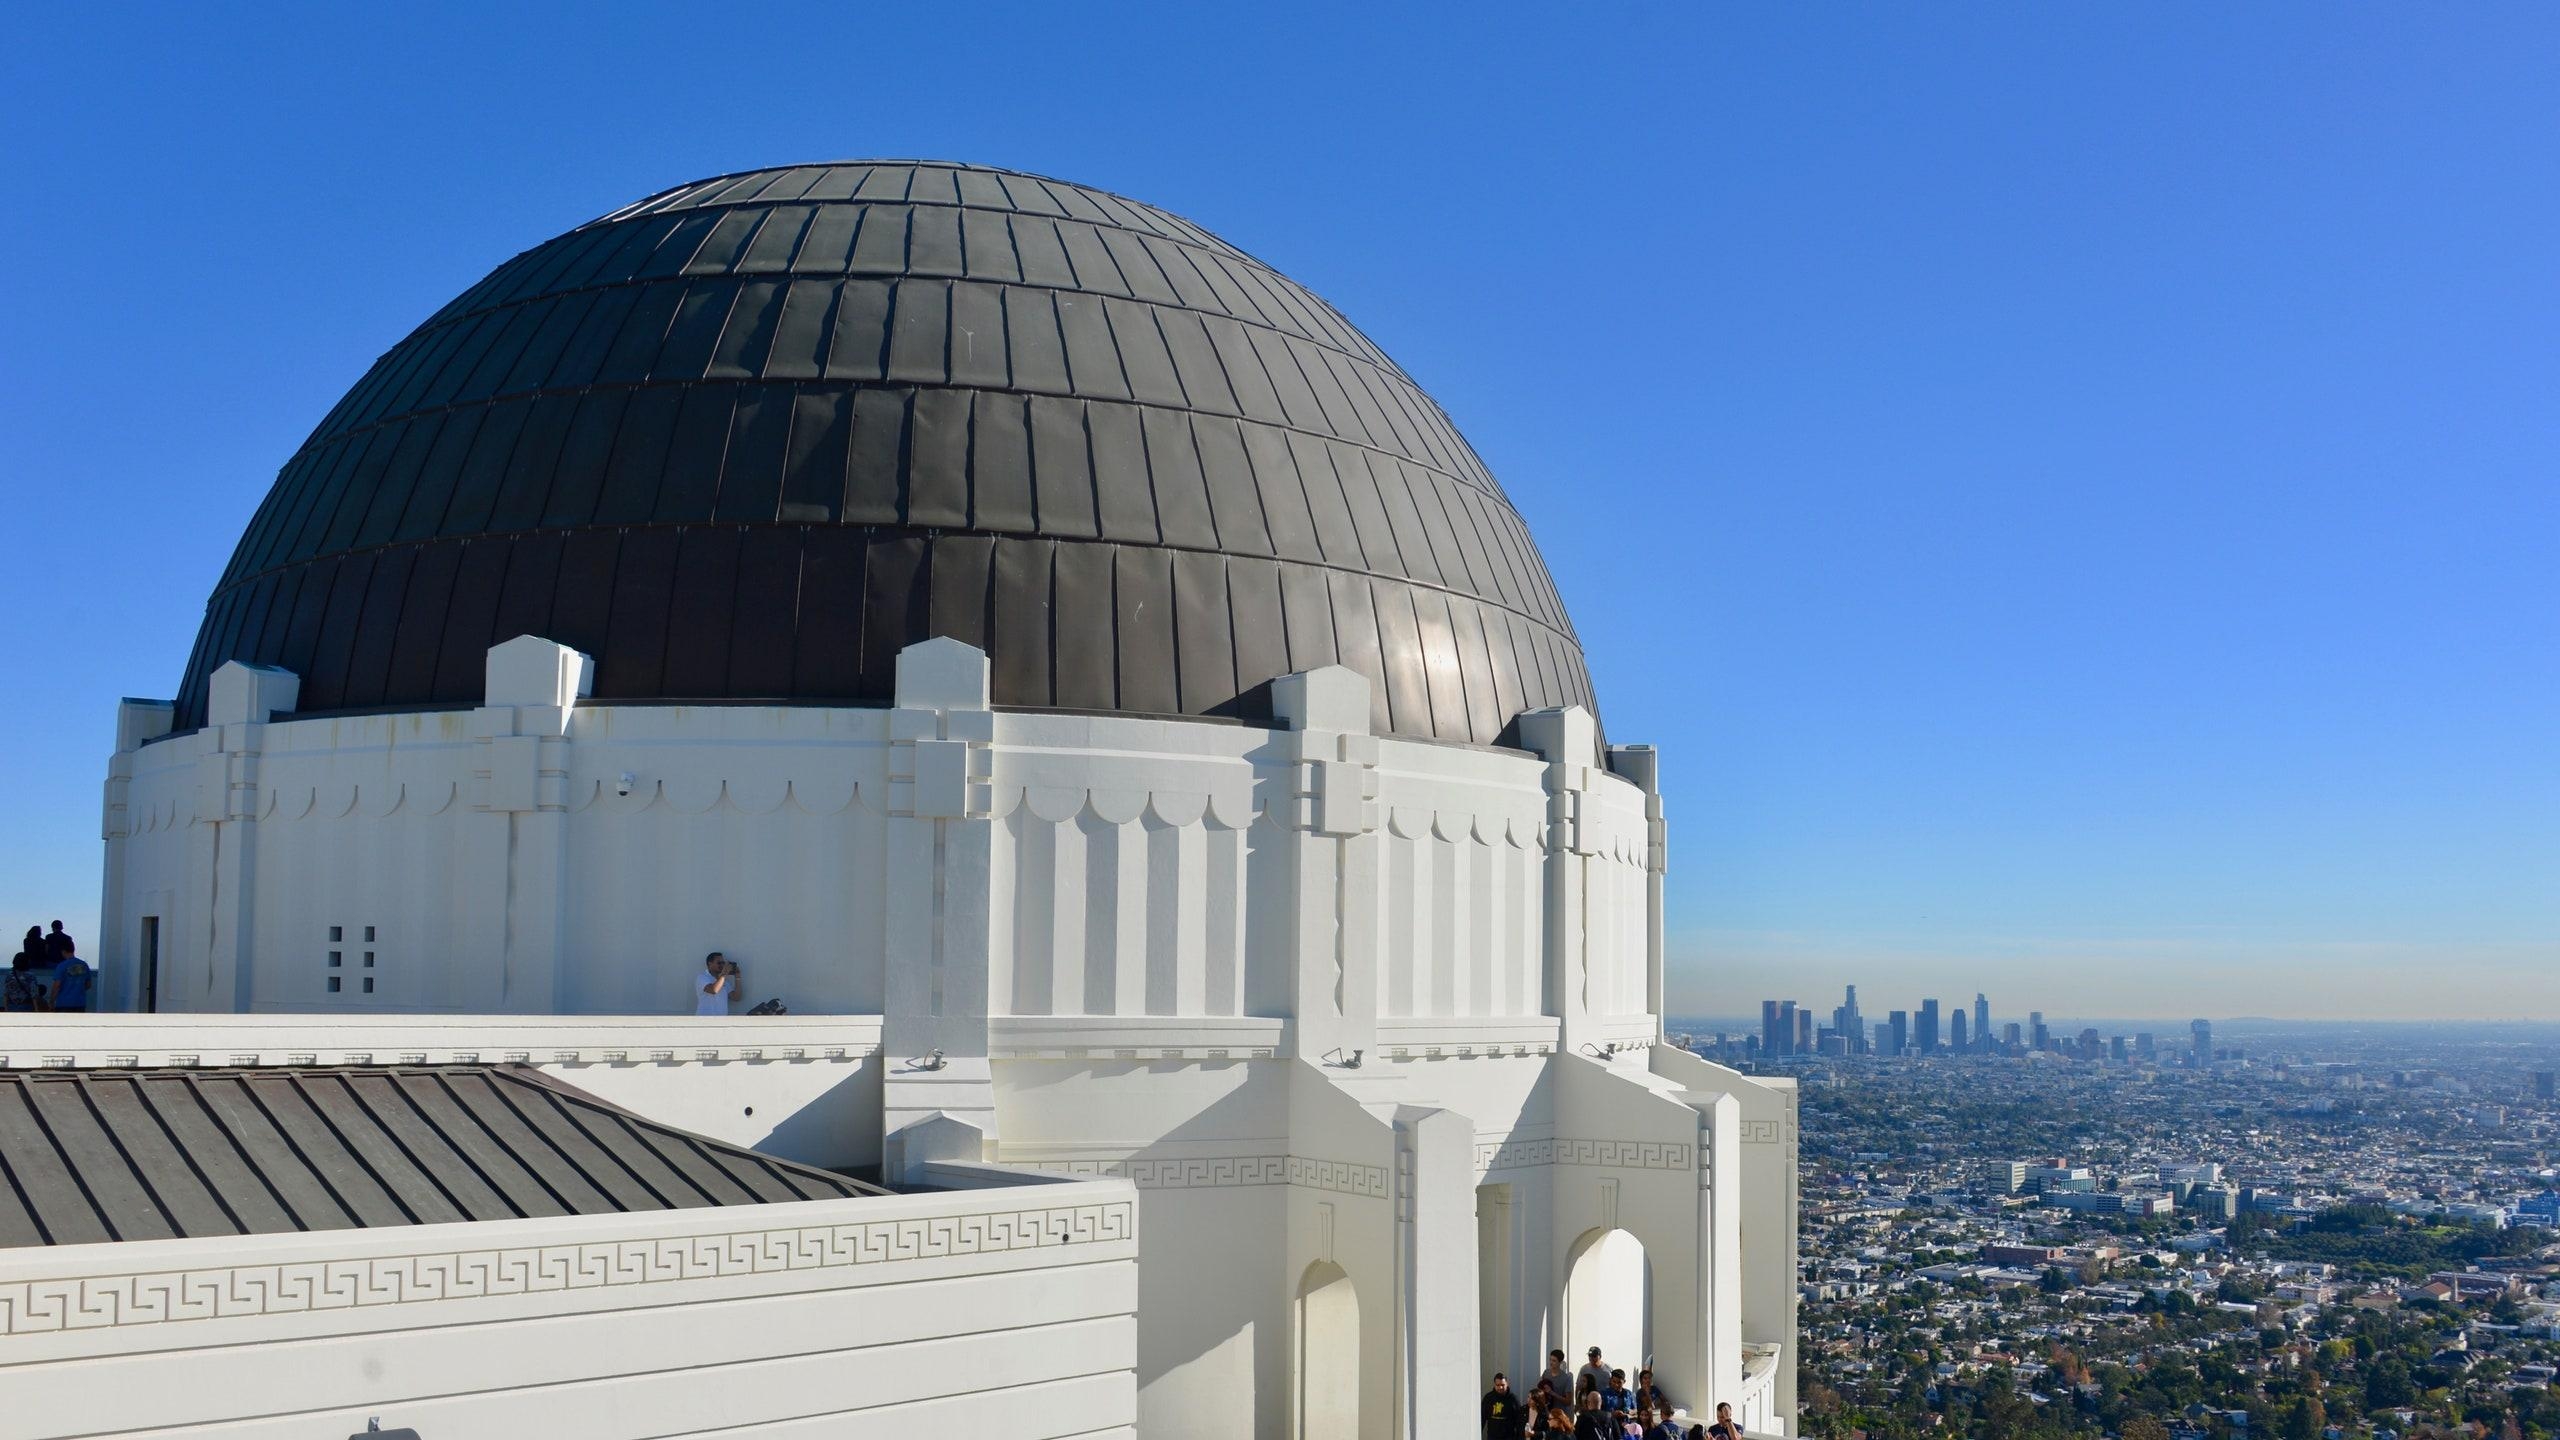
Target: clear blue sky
x,y
2075,489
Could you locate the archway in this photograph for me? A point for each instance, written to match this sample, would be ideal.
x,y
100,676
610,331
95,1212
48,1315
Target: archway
x,y
1327,1383
1608,1300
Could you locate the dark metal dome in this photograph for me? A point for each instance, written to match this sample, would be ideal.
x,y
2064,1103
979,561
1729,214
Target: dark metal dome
x,y
748,438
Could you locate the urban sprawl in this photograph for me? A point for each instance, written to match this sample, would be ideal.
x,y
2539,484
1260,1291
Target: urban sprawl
x,y
2149,1231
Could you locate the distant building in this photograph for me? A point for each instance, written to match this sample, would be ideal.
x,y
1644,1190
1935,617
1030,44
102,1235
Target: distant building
x,y
1772,1039
2546,1085
1957,1040
2116,1049
2007,1177
2038,1037
1982,1024
2202,1030
1847,1021
1804,1032
1900,1021
2012,1037
1928,1036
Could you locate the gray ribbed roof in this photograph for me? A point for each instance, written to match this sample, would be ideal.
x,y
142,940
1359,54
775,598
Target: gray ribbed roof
x,y
748,438
95,1155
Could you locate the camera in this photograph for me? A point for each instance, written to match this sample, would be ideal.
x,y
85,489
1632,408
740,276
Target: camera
x,y
622,783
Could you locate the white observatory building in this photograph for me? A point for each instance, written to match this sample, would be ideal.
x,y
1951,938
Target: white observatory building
x,y
1081,677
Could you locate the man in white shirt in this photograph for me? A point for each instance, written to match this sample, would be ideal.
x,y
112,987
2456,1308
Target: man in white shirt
x,y
716,988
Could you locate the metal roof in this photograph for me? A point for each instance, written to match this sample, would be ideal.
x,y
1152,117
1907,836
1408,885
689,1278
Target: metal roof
x,y
94,1155
748,438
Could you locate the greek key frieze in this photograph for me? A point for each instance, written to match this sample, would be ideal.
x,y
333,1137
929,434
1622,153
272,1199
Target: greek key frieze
x,y
161,1297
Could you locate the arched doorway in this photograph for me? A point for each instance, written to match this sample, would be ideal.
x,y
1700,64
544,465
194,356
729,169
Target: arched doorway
x,y
1327,1383
1608,1300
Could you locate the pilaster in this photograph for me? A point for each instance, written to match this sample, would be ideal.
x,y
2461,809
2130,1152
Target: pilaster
x,y
1568,739
239,700
1641,766
516,868
138,722
1332,825
940,923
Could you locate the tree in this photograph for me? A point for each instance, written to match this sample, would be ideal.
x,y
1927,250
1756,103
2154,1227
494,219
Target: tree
x,y
2143,1427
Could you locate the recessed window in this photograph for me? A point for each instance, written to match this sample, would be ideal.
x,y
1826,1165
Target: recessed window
x,y
337,932
368,959
337,958
368,984
368,932
333,984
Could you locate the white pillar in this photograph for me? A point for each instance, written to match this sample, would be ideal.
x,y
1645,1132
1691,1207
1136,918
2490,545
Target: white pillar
x,y
940,922
1569,740
1332,829
138,722
1641,766
240,698
516,871
1436,1310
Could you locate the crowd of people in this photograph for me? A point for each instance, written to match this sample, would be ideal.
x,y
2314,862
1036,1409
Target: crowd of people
x,y
48,973
1596,1402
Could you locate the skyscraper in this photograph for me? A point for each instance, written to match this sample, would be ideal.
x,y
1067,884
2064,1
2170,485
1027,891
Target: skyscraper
x,y
2011,1036
1928,1036
2544,1083
1957,1040
1786,1027
1804,1031
1900,1020
1981,1021
1769,1027
2038,1037
2203,1031
1846,1021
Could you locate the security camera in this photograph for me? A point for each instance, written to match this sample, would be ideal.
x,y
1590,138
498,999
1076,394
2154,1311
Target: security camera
x,y
622,783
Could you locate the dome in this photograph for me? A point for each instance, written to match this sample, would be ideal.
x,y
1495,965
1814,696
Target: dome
x,y
746,439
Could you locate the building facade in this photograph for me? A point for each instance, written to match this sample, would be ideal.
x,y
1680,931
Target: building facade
x,y
1019,627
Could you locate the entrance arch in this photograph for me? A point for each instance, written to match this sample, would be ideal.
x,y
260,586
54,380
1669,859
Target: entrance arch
x,y
1608,1300
1327,1358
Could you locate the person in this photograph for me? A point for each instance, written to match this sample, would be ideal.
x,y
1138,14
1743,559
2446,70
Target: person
x,y
1559,1421
1648,1394
1593,1376
1502,1417
33,950
716,988
1615,1397
71,980
58,944
1658,1424
23,988
1556,1380
1594,1423
1724,1428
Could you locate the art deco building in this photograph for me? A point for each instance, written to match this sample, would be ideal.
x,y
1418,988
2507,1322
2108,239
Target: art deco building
x,y
1083,678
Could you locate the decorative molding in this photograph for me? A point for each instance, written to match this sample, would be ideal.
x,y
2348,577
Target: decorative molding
x,y
1600,1154
1219,1172
86,1302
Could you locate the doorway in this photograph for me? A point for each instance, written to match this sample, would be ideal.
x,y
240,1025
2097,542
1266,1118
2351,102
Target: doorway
x,y
1328,1358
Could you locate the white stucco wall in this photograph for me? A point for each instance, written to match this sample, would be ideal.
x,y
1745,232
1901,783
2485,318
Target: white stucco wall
x,y
862,1316
1330,999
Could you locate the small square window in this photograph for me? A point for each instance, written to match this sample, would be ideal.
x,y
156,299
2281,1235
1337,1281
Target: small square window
x,y
368,932
368,959
337,958
337,932
333,984
368,984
